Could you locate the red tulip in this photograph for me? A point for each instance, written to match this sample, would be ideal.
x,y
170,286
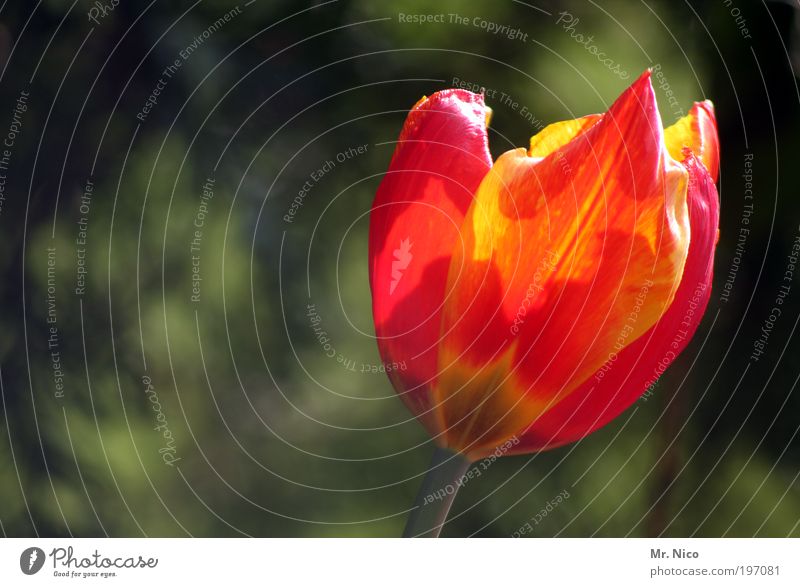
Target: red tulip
x,y
537,297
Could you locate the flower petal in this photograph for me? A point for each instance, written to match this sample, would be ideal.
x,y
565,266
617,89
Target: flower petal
x,y
440,159
619,383
697,131
558,252
556,135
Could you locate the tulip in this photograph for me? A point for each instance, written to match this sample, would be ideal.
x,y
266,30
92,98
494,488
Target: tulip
x,y
534,299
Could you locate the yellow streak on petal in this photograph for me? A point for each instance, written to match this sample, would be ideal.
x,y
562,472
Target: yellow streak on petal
x,y
556,135
489,223
694,131
679,135
480,407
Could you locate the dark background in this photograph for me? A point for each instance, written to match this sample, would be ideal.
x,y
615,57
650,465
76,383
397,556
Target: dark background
x,y
273,437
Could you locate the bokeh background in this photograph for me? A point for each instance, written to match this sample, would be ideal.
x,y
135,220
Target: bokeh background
x,y
224,415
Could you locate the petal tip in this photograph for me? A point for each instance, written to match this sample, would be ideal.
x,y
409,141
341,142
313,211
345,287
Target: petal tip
x,y
444,99
644,81
642,90
706,107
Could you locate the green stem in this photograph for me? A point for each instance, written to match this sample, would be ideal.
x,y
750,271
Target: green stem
x,y
436,495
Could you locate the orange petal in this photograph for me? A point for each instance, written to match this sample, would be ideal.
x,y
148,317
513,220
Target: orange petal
x,y
440,159
619,383
696,131
564,256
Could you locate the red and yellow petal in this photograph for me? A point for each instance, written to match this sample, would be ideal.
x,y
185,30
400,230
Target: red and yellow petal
x,y
441,157
576,238
696,131
618,384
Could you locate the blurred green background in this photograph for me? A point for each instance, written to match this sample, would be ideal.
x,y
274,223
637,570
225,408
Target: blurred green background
x,y
267,434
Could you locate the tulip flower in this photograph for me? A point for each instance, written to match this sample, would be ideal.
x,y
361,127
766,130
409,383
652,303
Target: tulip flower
x,y
534,298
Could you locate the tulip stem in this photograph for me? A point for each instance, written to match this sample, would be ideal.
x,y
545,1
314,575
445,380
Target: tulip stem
x,y
436,495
